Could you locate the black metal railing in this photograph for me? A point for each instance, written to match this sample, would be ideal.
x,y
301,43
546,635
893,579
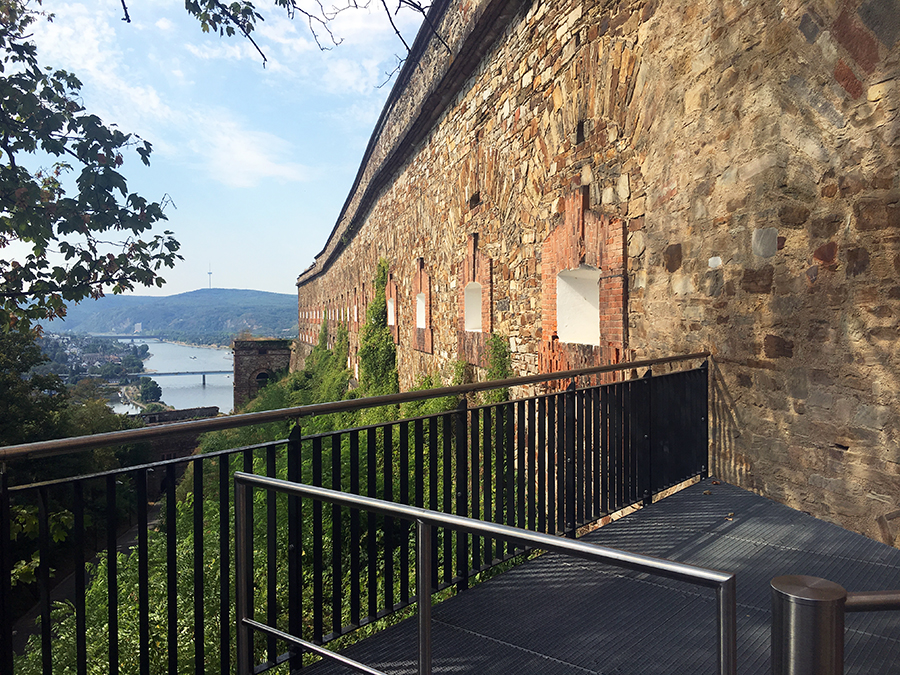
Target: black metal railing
x,y
164,602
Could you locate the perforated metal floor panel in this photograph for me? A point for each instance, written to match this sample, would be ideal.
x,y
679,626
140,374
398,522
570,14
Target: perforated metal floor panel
x,y
557,615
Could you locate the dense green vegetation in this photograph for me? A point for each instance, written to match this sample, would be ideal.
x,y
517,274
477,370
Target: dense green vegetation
x,y
325,378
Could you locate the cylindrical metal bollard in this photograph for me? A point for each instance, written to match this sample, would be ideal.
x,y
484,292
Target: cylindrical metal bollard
x,y
807,626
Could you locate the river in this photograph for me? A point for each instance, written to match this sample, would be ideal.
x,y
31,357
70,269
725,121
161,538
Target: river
x,y
188,391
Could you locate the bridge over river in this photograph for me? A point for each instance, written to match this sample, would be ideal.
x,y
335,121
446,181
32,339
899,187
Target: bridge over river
x,y
204,373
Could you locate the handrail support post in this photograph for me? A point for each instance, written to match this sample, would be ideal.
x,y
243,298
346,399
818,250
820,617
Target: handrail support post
x,y
726,599
807,626
423,594
242,561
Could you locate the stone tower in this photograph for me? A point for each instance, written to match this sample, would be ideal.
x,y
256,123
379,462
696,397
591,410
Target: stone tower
x,y
255,363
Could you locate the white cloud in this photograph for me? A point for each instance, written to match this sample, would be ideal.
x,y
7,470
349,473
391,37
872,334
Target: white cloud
x,y
240,157
165,25
184,132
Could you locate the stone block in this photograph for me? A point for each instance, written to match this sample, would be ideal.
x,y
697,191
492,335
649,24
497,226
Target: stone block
x,y
682,284
777,347
851,185
843,409
882,90
756,166
877,215
809,28
854,38
758,281
872,416
825,226
623,191
807,96
820,398
672,257
793,215
764,241
636,244
882,17
845,77
827,253
857,261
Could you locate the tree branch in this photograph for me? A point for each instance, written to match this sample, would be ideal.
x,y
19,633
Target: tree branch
x,y
393,25
240,26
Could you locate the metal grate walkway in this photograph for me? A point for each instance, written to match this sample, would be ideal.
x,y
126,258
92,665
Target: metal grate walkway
x,y
557,615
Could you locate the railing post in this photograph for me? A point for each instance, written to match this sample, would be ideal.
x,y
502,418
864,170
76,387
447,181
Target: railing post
x,y
726,599
243,558
807,626
704,418
6,650
295,544
424,564
570,460
644,425
462,492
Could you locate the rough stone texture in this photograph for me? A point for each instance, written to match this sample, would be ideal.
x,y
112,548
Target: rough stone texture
x,y
255,362
614,132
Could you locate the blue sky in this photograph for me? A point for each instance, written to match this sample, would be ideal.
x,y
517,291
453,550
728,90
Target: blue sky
x,y
256,161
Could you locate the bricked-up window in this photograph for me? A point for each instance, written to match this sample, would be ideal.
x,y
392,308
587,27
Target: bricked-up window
x,y
473,307
578,305
475,300
420,310
421,287
393,308
579,247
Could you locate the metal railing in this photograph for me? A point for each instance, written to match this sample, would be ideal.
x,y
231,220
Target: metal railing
x,y
426,520
808,622
547,463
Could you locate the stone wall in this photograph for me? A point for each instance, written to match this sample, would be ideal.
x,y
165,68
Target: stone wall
x,y
730,168
256,361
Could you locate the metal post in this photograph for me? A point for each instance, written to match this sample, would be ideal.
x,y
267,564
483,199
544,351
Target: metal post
x,y
242,561
643,436
704,470
295,520
726,599
423,594
462,492
807,626
6,624
570,460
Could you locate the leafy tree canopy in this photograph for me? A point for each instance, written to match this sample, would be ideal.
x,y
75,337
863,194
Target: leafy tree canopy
x,y
85,233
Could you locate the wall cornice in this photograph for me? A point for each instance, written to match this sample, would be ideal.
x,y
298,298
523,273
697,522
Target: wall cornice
x,y
427,84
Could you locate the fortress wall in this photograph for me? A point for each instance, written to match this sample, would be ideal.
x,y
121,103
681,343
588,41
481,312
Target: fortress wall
x,y
729,168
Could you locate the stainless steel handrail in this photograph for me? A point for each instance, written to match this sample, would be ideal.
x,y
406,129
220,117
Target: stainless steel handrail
x,y
722,582
872,601
66,445
808,622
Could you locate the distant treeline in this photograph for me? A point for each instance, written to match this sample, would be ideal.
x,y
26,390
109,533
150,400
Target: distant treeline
x,y
203,317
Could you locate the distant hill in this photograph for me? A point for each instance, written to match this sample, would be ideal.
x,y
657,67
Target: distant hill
x,y
205,315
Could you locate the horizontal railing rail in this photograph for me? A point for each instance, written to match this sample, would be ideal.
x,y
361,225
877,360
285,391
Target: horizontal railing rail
x,y
66,445
550,463
873,601
722,582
